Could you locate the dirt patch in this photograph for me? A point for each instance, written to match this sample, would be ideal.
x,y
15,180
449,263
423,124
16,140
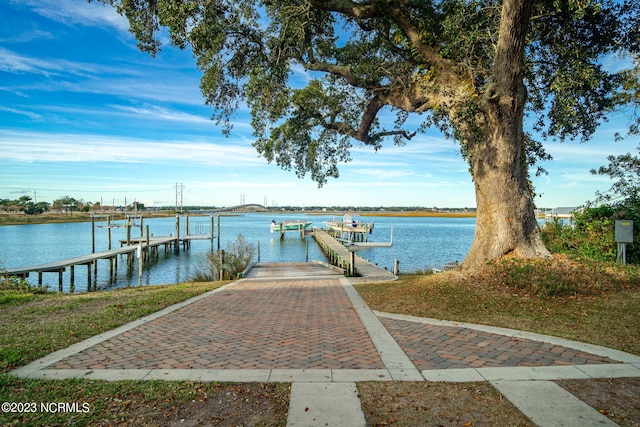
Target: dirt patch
x,y
244,404
617,398
437,404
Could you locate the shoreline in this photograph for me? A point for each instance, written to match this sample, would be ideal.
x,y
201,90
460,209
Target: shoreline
x,y
422,214
53,218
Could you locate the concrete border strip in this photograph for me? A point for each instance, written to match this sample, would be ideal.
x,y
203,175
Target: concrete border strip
x,y
400,366
517,373
610,370
536,373
219,375
325,404
547,404
297,279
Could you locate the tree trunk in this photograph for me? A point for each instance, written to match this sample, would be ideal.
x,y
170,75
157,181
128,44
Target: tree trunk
x,y
505,221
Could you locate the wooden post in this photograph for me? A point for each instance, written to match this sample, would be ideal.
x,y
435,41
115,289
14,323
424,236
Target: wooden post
x,y
222,264
148,252
60,280
307,252
352,263
396,266
40,278
187,226
218,231
93,235
140,256
109,232
128,231
211,229
177,244
88,277
258,250
72,282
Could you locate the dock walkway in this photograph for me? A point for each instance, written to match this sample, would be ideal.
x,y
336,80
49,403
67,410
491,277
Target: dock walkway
x,y
341,256
90,260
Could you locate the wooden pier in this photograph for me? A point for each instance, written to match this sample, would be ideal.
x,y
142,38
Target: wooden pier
x,y
147,245
347,259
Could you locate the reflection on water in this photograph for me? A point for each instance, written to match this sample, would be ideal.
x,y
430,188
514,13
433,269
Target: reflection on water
x,y
418,242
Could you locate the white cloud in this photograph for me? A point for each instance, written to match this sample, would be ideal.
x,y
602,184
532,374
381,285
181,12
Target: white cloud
x,y
27,35
12,62
161,113
30,114
78,12
35,147
384,173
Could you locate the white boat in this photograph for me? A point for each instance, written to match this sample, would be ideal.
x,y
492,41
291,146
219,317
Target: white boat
x,y
289,225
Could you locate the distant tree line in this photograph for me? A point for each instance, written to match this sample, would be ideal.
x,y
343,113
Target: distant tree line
x,y
65,204
374,208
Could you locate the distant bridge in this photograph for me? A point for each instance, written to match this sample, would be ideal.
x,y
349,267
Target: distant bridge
x,y
252,207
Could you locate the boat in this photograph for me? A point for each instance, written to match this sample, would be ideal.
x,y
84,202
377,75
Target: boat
x,y
348,224
289,225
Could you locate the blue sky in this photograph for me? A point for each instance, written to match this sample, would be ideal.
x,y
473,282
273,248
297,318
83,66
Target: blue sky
x,y
84,113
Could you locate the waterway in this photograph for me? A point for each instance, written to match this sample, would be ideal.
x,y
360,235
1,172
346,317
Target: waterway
x,y
418,243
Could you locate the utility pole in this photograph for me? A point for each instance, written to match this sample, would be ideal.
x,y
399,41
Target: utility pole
x,y
179,190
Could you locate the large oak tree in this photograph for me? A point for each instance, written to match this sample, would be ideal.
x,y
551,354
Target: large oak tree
x,y
473,68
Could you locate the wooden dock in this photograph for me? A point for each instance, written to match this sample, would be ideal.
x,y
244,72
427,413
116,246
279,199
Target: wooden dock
x,y
149,247
347,259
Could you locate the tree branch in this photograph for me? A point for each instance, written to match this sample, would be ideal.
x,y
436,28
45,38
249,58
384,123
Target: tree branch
x,y
347,7
340,70
368,116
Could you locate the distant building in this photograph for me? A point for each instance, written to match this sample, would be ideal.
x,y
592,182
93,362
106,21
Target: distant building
x,y
563,213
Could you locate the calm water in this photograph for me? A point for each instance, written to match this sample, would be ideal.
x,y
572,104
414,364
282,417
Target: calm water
x,y
417,243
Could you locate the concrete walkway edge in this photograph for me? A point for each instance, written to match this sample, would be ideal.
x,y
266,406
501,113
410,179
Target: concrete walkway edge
x,y
400,367
325,404
549,405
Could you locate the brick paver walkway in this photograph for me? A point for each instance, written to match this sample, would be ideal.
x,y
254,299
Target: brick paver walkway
x,y
257,324
445,347
282,319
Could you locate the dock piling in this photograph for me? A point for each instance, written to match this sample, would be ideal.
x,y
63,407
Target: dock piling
x,y
147,252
